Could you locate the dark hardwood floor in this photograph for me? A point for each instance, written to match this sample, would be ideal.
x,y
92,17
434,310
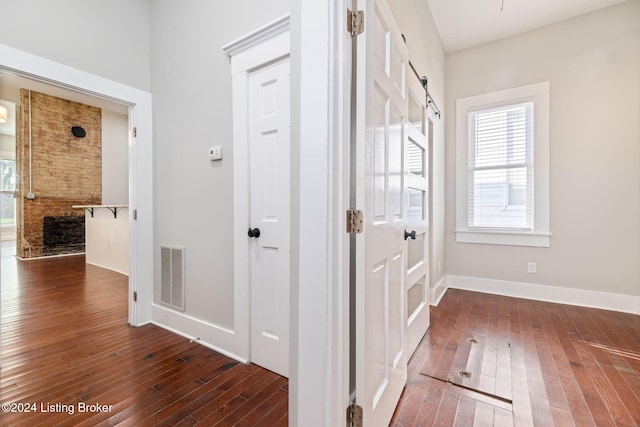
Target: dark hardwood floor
x,y
534,364
65,345
486,361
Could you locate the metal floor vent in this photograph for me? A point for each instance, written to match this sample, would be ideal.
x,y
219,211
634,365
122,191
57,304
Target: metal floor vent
x,y
172,277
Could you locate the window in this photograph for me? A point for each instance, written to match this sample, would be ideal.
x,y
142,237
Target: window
x,y
500,167
7,187
502,159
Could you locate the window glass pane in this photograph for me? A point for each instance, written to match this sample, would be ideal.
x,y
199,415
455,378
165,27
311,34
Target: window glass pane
x,y
416,296
7,210
500,136
7,175
415,211
500,167
415,159
499,198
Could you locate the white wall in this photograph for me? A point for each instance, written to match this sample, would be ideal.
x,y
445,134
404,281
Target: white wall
x,y
427,55
593,64
191,85
115,158
105,38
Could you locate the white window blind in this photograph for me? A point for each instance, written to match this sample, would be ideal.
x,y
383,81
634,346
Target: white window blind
x,y
500,162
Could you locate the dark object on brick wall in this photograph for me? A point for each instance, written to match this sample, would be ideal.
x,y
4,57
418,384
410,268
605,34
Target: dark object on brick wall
x,y
78,132
63,234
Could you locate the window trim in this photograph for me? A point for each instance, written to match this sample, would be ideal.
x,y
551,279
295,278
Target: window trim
x,y
540,234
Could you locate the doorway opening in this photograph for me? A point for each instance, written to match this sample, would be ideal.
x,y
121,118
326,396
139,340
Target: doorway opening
x,y
58,234
137,105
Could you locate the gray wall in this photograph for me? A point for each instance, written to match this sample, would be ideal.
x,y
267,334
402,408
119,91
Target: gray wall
x,y
593,65
191,86
105,38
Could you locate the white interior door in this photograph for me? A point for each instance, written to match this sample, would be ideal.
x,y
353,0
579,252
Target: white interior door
x,y
417,216
381,119
270,205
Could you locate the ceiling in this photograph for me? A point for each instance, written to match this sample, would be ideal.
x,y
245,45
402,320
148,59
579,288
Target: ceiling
x,y
466,23
12,83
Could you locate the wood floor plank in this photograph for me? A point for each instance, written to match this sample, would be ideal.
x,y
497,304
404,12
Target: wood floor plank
x,y
64,340
569,366
609,396
484,415
522,410
465,412
205,399
270,412
430,404
410,403
502,418
447,409
163,393
252,402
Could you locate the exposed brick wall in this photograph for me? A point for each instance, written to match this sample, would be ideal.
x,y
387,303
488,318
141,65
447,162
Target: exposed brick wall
x,y
66,170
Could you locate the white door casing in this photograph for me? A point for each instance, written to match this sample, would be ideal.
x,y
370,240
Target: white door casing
x,y
381,118
269,138
417,216
247,54
140,160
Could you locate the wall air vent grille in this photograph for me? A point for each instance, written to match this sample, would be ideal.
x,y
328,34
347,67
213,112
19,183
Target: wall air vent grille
x,y
172,277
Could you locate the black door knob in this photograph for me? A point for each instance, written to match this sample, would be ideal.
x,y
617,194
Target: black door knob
x,y
254,232
412,235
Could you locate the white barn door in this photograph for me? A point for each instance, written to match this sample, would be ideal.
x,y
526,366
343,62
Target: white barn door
x,y
269,136
381,126
417,216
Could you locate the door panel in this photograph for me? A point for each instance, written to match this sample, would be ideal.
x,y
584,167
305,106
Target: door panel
x,y
416,296
396,125
379,152
270,206
380,260
417,199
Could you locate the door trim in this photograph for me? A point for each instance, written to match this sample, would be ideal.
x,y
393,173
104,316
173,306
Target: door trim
x,y
320,124
264,46
140,159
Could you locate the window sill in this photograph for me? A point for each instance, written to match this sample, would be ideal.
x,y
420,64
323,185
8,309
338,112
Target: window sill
x,y
510,238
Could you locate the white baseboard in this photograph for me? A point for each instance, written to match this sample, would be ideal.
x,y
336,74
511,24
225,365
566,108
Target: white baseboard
x,y
579,297
198,330
436,294
35,258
